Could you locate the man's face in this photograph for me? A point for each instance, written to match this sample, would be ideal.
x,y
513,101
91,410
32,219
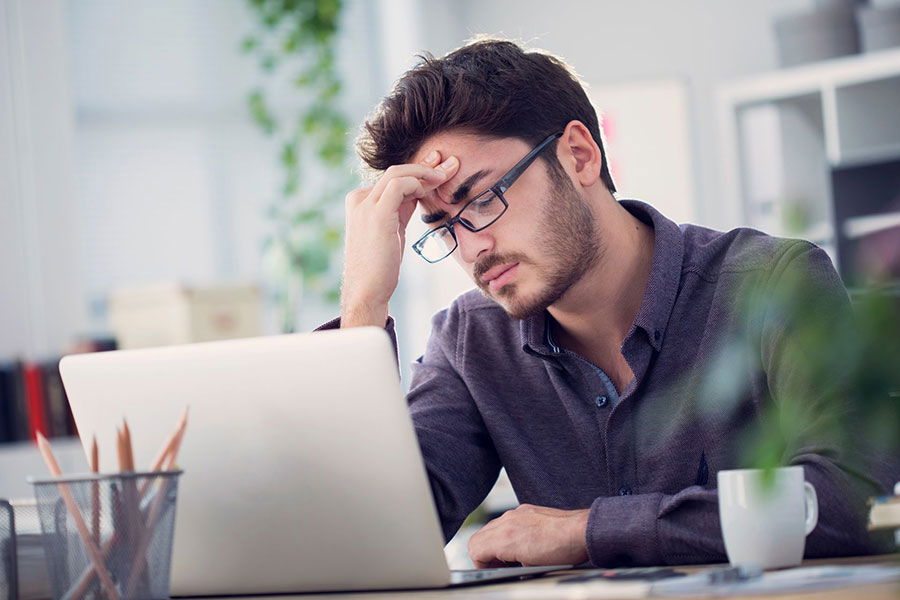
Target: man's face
x,y
544,242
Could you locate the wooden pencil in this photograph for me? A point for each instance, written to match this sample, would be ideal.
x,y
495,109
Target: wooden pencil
x,y
129,448
95,490
84,581
166,448
155,511
72,506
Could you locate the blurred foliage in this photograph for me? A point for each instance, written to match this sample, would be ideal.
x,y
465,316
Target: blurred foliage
x,y
836,371
294,41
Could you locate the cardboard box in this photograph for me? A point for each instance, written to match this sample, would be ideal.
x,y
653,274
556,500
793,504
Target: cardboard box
x,y
167,314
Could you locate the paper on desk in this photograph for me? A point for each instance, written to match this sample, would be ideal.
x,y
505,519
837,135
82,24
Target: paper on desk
x,y
803,579
590,590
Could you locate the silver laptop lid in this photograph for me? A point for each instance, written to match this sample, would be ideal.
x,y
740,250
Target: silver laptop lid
x,y
301,467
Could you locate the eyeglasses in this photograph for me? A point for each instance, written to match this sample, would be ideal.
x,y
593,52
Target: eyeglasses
x,y
480,212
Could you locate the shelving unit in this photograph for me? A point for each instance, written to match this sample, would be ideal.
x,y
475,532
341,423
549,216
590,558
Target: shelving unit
x,y
814,152
18,460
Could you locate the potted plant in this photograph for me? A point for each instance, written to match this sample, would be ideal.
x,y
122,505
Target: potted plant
x,y
295,41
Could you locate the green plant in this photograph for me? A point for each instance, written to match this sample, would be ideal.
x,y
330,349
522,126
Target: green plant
x,y
839,391
295,41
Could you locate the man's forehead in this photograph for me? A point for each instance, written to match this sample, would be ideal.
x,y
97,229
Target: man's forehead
x,y
481,161
471,146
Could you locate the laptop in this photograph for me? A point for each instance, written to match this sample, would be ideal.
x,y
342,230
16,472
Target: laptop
x,y
301,467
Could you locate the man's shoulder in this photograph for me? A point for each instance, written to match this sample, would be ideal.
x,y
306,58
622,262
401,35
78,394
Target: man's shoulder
x,y
470,313
710,253
475,305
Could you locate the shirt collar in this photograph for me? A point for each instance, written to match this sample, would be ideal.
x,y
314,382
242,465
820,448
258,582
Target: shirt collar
x,y
659,298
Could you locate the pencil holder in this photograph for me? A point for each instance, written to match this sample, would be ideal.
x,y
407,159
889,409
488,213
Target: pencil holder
x,y
9,589
108,536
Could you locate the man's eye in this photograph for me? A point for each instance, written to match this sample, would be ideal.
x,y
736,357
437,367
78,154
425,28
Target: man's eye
x,y
484,203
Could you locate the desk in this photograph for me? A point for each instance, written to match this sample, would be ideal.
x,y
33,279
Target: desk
x,y
497,591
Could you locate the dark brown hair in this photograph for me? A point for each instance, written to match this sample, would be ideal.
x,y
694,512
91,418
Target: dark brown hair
x,y
489,87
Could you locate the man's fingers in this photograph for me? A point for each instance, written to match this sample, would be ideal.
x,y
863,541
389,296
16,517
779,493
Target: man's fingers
x,y
407,208
357,196
433,159
489,547
432,176
399,190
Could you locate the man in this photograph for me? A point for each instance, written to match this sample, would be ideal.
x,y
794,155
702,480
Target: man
x,y
577,363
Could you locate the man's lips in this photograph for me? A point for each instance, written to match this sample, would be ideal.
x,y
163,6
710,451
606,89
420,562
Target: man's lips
x,y
499,276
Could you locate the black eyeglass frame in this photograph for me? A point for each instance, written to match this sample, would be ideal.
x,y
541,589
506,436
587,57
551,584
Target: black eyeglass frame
x,y
503,184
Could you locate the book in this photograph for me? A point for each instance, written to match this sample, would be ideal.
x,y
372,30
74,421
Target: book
x,y
884,513
19,404
7,407
34,396
57,405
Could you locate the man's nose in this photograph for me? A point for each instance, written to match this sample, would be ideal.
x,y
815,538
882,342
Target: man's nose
x,y
472,243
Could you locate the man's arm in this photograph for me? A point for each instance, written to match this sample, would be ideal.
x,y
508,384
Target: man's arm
x,y
459,455
375,236
798,319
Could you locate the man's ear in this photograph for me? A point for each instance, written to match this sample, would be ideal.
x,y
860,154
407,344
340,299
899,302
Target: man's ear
x,y
578,151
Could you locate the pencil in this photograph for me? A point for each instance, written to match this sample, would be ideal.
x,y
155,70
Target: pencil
x,y
155,511
72,506
166,448
176,446
129,449
120,450
95,490
81,585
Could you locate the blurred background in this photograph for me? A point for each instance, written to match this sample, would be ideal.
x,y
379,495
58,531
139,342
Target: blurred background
x,y
174,171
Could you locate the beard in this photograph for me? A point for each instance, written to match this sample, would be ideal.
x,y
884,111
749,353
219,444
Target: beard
x,y
569,242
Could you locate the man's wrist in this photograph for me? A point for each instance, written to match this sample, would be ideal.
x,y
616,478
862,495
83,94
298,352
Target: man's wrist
x,y
364,316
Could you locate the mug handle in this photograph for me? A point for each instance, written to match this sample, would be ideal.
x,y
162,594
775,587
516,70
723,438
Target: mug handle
x,y
812,507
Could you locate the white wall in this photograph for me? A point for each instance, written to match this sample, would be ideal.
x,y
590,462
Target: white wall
x,y
127,154
614,42
41,300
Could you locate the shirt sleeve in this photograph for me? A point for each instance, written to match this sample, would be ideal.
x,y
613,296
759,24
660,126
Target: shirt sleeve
x,y
459,455
658,528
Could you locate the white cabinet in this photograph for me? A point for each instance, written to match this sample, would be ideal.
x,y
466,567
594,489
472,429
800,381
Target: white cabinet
x,y
814,152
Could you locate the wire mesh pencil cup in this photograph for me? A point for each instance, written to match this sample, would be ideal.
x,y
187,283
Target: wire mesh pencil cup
x,y
108,536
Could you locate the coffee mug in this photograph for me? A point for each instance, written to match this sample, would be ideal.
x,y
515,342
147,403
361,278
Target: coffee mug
x,y
765,523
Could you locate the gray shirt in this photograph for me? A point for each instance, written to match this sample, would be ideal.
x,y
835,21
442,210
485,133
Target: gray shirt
x,y
493,392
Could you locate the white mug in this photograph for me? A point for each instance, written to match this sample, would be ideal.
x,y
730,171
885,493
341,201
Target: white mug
x,y
765,524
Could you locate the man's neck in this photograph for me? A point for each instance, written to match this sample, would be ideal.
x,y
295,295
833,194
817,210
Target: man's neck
x,y
596,313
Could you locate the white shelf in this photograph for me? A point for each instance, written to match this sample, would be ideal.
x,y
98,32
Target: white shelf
x,y
868,156
814,78
857,227
788,136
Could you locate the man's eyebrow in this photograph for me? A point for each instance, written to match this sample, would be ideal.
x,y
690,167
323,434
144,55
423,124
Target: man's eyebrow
x,y
434,217
461,193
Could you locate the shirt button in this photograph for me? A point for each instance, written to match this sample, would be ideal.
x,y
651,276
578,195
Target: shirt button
x,y
657,335
601,401
624,491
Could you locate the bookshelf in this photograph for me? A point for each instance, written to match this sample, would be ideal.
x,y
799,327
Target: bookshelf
x,y
814,152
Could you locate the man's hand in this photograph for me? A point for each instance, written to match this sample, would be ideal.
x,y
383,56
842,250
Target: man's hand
x,y
376,222
532,535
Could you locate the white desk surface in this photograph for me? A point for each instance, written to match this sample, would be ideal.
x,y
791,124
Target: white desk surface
x,y
546,588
